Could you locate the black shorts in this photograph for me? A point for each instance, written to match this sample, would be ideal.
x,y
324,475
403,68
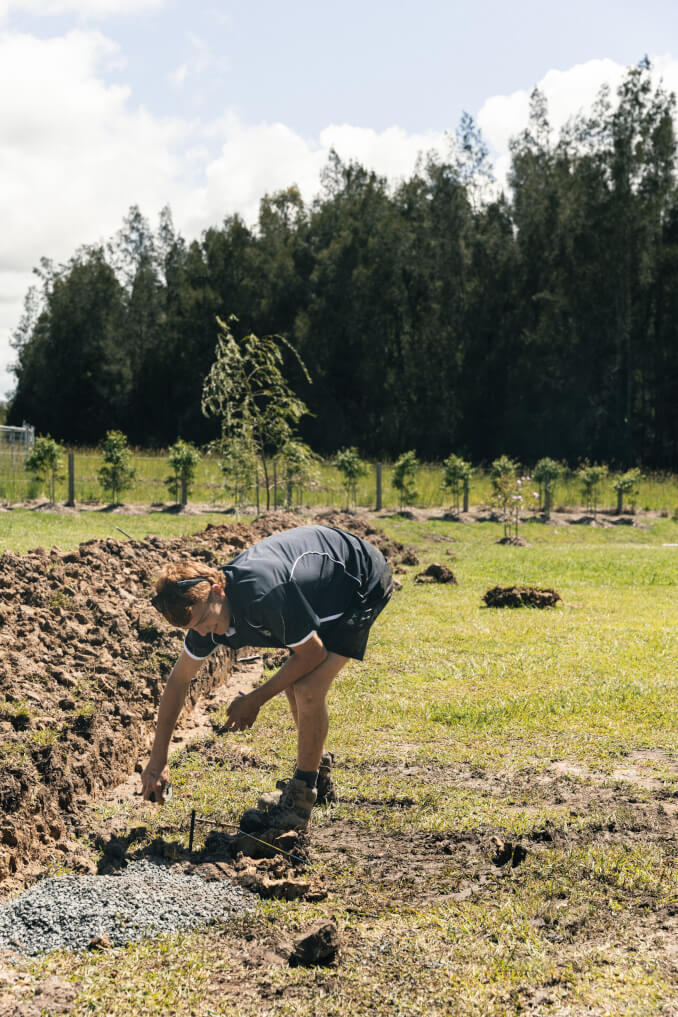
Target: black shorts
x,y
349,634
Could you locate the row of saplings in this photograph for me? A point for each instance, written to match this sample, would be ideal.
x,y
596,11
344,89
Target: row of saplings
x,y
298,467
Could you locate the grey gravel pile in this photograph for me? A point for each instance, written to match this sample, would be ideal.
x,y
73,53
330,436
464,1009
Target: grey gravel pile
x,y
141,900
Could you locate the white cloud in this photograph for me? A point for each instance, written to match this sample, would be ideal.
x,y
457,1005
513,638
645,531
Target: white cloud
x,y
76,152
73,156
81,8
255,160
200,60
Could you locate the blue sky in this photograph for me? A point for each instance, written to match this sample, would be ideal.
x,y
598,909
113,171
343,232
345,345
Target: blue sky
x,y
206,105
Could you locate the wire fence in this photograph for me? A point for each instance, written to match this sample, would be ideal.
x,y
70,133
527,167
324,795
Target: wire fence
x,y
657,491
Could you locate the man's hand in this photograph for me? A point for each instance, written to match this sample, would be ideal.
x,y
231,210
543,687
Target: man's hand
x,y
154,781
242,712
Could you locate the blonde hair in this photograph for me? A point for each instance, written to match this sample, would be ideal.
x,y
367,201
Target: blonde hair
x,y
175,603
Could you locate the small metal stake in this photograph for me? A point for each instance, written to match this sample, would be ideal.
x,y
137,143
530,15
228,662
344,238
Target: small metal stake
x,y
190,836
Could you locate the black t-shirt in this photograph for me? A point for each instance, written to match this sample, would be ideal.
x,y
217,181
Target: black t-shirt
x,y
290,585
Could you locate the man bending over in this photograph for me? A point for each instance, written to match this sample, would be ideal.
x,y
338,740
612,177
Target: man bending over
x,y
315,590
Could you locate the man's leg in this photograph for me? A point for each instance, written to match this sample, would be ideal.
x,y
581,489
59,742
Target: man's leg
x,y
310,695
292,807
291,699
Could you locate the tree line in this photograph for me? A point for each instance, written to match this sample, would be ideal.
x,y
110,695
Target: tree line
x,y
432,314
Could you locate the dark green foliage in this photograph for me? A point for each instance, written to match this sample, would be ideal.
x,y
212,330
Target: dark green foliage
x,y
352,468
117,474
183,461
627,484
456,478
591,477
44,461
404,477
430,316
546,474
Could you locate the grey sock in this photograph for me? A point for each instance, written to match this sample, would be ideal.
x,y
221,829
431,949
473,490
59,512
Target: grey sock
x,y
309,777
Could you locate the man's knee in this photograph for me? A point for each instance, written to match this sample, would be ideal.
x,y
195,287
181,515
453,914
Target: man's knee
x,y
309,695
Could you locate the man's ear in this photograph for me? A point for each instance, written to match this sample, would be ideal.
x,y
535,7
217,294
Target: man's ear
x,y
218,591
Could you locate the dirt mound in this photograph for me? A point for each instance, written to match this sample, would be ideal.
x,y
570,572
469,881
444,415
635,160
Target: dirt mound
x,y
393,551
514,541
83,660
436,574
520,596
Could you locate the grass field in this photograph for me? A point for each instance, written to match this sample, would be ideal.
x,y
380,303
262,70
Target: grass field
x,y
555,729
658,491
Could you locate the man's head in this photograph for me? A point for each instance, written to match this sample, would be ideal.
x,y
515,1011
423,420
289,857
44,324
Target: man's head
x,y
189,594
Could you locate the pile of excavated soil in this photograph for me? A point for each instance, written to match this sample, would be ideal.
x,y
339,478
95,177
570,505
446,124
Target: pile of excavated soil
x,y
83,660
520,596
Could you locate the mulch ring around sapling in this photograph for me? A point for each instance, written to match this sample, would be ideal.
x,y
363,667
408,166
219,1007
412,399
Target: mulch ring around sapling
x,y
436,574
521,596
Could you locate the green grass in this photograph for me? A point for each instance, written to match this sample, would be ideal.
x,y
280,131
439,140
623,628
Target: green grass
x,y
24,529
658,491
480,704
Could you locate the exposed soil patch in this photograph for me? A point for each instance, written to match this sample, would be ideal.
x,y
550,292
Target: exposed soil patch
x,y
83,660
521,596
436,573
514,541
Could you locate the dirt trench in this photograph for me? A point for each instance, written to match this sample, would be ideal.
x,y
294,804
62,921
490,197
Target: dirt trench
x,y
83,661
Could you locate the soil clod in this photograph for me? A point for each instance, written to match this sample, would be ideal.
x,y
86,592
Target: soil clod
x,y
436,573
318,945
521,596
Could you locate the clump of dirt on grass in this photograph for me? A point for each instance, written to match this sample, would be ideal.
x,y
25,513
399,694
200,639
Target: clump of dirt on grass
x,y
513,541
436,573
521,596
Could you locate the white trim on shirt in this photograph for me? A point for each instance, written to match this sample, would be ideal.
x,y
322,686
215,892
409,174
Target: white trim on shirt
x,y
304,640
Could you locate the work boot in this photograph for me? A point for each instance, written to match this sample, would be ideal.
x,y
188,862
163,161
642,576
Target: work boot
x,y
291,812
325,788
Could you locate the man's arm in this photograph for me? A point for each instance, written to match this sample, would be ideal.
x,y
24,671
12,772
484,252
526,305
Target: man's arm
x,y
242,712
156,774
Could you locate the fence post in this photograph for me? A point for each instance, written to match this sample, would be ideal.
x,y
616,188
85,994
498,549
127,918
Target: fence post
x,y
465,494
71,479
378,509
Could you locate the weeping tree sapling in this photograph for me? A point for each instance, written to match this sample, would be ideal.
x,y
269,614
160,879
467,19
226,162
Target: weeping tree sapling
x,y
238,465
246,389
